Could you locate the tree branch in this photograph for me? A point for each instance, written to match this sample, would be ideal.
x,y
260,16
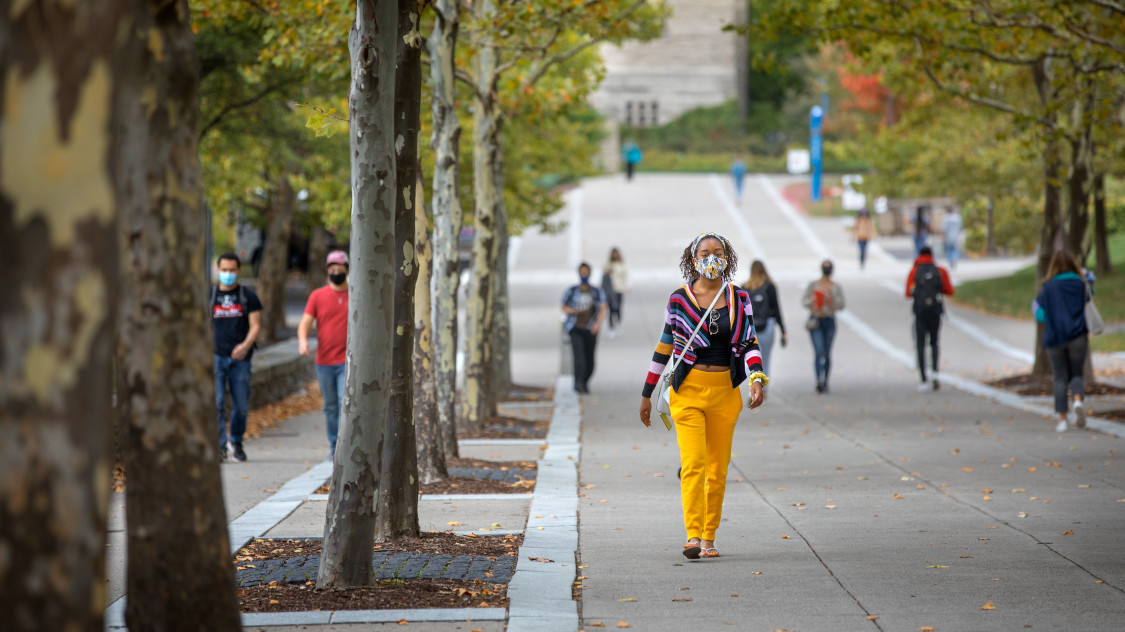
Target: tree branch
x,y
543,67
232,107
987,101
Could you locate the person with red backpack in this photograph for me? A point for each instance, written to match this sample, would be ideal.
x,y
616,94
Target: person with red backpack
x,y
926,285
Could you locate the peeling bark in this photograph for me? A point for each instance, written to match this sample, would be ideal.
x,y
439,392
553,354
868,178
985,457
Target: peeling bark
x,y
1052,209
502,318
62,73
1104,264
397,515
275,260
447,216
174,499
429,449
349,528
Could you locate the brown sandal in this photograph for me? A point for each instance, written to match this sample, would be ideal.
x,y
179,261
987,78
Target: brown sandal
x,y
691,551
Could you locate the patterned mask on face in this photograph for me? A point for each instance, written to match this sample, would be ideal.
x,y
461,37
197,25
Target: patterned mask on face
x,y
711,266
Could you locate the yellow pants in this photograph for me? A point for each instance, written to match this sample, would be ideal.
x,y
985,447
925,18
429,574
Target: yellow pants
x,y
705,408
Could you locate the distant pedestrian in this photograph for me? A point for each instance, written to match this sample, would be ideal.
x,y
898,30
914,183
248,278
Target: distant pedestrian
x,y
926,284
767,311
863,232
921,228
615,282
633,158
738,172
585,309
236,318
823,298
716,352
328,308
951,228
1061,307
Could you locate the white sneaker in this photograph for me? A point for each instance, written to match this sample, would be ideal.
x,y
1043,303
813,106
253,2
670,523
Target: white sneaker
x,y
1061,426
924,387
1079,415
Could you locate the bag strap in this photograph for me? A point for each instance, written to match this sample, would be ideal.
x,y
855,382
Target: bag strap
x,y
214,294
691,340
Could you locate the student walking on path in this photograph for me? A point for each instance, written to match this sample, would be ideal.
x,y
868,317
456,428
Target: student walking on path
x,y
236,318
585,309
716,352
1061,307
951,228
328,308
767,311
615,282
864,231
926,284
823,298
633,157
738,172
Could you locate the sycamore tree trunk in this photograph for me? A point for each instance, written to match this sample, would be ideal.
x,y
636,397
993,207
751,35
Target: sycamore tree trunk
x,y
62,68
1079,180
427,430
318,251
447,216
478,397
349,528
397,514
275,260
502,321
174,494
1103,265
1052,207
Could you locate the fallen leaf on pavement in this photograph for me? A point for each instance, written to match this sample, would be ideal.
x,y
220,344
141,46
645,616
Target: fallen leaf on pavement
x,y
988,606
937,566
453,524
541,559
985,491
245,476
965,556
1053,464
1032,469
402,622
966,469
755,572
1099,581
986,498
1019,490
1083,486
871,617
604,500
627,599
682,599
1022,514
784,537
830,506
1068,532
926,628
274,602
899,496
596,625
622,624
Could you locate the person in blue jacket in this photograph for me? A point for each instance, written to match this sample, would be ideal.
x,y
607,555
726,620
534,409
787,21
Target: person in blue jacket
x,y
1061,307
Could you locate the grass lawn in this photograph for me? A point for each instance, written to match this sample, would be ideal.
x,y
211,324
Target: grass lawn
x,y
1012,295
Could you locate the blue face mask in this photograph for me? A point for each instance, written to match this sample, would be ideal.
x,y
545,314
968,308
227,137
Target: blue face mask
x,y
584,279
228,278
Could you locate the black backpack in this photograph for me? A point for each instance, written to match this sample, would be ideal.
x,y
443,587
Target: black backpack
x,y
927,289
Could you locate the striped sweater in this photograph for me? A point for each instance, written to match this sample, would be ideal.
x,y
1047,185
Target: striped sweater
x,y
682,316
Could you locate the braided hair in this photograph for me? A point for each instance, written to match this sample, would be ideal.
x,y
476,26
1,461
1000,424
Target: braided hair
x,y
687,260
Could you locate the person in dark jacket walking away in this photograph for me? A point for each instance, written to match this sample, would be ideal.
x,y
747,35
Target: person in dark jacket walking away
x,y
585,309
767,311
926,285
1061,307
236,317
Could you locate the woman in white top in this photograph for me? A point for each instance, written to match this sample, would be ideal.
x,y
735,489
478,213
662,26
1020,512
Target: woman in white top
x,y
615,282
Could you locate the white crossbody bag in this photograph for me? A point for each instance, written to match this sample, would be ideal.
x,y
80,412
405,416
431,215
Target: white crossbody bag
x,y
664,386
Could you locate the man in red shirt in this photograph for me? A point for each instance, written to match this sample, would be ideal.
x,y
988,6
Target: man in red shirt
x,y
328,308
926,285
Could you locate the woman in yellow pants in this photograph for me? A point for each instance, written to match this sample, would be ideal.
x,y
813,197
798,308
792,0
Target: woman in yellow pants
x,y
717,351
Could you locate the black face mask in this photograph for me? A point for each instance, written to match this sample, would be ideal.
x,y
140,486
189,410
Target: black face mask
x,y
338,278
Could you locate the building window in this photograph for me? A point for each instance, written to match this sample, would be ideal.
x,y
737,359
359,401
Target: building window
x,y
654,109
641,114
629,113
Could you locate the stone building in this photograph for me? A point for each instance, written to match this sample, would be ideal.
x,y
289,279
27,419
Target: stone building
x,y
694,63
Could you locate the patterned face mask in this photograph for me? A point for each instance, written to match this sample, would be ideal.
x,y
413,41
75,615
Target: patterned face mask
x,y
711,266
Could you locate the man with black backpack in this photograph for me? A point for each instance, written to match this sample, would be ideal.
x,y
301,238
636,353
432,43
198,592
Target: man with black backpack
x,y
926,284
236,317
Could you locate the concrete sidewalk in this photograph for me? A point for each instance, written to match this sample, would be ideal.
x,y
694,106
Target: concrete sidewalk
x,y
872,507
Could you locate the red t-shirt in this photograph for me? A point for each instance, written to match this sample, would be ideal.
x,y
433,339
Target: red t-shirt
x,y
330,309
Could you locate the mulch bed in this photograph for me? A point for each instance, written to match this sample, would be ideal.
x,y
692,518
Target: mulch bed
x,y
461,485
504,427
1043,386
387,594
524,393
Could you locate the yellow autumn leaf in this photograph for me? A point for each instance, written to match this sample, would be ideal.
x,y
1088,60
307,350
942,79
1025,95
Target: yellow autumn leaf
x,y
628,599
622,624
966,469
1068,532
988,606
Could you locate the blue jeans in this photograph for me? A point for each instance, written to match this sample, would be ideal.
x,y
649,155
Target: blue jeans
x,y
766,336
331,377
822,338
237,373
951,254
862,252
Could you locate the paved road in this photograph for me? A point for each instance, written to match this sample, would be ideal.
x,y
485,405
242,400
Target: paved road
x,y
871,508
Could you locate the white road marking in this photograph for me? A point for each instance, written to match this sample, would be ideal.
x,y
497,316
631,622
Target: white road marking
x,y
735,214
794,218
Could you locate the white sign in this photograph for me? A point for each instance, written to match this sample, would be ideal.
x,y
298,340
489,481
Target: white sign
x,y
881,204
853,200
798,161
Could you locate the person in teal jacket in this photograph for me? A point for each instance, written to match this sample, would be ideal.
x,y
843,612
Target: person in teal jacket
x,y
1061,307
633,158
